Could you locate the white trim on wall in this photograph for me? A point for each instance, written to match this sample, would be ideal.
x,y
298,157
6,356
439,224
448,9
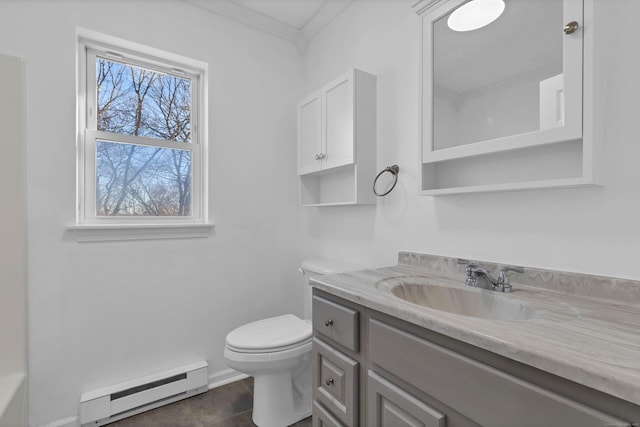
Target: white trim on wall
x,y
216,379
260,22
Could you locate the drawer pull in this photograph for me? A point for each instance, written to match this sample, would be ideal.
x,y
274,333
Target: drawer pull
x,y
329,381
328,322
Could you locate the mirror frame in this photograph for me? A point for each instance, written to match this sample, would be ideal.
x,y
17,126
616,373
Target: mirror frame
x,y
572,63
589,155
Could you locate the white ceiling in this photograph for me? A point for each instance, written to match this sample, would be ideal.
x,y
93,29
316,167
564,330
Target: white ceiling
x,y
294,20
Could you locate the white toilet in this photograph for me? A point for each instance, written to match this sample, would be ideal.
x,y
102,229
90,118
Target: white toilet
x,y
277,353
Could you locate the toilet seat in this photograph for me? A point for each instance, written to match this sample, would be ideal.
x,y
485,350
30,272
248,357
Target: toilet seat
x,y
270,335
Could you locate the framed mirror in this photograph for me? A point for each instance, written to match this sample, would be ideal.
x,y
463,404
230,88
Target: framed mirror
x,y
512,84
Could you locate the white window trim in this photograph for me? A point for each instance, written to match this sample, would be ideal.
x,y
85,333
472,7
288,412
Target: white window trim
x,y
119,232
89,44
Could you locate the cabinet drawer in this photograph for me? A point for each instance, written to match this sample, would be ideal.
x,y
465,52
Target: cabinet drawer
x,y
481,393
389,405
323,418
335,382
337,322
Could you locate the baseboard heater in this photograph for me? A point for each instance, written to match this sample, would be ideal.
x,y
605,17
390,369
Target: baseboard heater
x,y
119,401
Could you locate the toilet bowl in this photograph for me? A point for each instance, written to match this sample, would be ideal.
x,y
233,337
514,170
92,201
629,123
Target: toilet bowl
x,y
277,353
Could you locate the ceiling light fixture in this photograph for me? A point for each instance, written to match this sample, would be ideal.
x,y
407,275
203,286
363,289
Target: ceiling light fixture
x,y
475,14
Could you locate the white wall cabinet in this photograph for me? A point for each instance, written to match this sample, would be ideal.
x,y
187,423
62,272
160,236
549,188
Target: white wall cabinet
x,y
309,137
490,119
337,142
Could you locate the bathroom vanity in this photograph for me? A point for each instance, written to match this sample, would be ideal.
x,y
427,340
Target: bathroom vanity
x,y
538,356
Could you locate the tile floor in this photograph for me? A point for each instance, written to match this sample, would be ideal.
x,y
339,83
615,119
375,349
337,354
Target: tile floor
x,y
226,406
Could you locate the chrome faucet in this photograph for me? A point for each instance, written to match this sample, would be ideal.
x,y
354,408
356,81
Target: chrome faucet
x,y
481,278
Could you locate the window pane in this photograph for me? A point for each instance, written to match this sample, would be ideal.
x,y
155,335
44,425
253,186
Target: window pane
x,y
141,102
138,180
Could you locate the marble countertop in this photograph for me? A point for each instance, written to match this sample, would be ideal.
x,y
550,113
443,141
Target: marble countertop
x,y
588,340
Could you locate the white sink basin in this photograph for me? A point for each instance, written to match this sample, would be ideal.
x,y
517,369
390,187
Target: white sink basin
x,y
463,301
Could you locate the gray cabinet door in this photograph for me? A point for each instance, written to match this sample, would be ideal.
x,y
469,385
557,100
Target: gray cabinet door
x,y
323,418
480,392
390,406
335,382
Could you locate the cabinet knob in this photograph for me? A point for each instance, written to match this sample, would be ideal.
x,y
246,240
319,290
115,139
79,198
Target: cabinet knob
x,y
328,322
329,381
317,157
571,27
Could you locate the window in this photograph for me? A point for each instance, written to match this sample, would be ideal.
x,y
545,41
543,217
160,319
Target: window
x,y
142,129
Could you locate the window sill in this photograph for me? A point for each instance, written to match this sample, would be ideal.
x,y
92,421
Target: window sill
x,y
121,232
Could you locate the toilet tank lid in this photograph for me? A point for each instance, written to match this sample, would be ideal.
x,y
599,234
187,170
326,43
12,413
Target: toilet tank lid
x,y
329,266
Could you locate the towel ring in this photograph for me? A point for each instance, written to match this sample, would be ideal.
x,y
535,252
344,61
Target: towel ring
x,y
394,169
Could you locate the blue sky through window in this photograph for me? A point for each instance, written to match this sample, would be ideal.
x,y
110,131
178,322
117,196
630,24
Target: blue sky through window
x,y
134,179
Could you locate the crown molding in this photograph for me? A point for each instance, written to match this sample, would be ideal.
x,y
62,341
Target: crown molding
x,y
422,6
248,17
258,21
325,15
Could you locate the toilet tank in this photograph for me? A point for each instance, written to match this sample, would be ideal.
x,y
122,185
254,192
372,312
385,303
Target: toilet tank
x,y
321,266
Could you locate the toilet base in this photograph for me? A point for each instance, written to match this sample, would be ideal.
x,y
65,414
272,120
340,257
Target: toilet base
x,y
281,384
276,403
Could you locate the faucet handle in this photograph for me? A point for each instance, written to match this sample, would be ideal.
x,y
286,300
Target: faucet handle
x,y
503,277
515,268
470,268
471,274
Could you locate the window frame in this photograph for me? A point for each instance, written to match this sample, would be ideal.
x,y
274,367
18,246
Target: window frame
x,y
92,46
